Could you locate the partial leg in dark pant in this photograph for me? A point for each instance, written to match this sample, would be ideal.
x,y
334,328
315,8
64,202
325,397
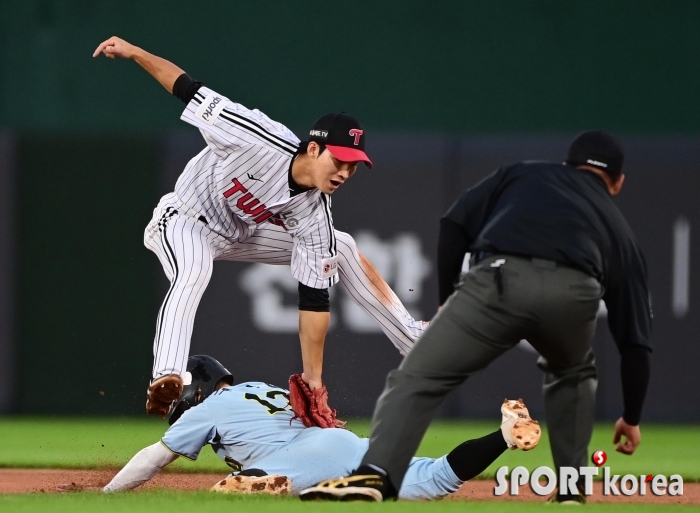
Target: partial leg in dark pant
x,y
563,337
474,327
501,301
569,401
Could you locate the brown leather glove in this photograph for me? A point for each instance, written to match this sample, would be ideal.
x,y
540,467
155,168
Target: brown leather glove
x,y
311,406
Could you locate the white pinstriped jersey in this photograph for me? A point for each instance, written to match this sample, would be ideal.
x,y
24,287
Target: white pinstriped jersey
x,y
241,180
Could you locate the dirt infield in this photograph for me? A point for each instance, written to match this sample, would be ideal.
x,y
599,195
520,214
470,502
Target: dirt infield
x,y
483,490
54,481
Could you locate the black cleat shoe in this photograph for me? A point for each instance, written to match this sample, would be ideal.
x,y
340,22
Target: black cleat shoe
x,y
365,484
567,499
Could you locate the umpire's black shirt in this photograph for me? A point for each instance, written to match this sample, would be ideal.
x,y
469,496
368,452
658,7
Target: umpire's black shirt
x,y
561,213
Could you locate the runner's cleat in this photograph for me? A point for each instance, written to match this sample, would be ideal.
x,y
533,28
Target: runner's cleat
x,y
357,487
247,484
518,428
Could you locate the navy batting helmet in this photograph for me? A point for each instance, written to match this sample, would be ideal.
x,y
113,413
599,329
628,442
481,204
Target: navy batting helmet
x,y
203,373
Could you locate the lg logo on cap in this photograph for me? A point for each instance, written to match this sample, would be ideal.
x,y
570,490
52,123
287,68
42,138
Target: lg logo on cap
x,y
357,133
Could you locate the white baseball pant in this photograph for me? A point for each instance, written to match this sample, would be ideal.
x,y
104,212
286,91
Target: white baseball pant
x,y
187,248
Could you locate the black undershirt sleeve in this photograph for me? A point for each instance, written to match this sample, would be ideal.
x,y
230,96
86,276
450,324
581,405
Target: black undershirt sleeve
x,y
452,246
634,370
629,318
185,86
313,300
629,307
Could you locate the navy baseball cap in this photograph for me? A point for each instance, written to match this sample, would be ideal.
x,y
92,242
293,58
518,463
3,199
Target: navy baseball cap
x,y
343,136
598,149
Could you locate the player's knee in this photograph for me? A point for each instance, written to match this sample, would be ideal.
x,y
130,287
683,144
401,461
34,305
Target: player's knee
x,y
346,239
347,247
190,282
420,382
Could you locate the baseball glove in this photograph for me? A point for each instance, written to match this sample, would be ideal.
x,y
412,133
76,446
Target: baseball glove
x,y
311,406
162,393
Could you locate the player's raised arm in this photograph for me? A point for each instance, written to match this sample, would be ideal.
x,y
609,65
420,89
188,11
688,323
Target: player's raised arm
x,y
164,71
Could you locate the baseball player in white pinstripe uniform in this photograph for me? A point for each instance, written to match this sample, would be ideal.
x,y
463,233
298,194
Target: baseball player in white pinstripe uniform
x,y
256,193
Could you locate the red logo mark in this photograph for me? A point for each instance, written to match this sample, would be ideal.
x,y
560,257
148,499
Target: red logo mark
x,y
248,203
357,133
648,478
599,458
326,268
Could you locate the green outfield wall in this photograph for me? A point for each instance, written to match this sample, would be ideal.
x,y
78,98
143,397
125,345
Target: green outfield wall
x,y
447,90
88,291
85,294
503,66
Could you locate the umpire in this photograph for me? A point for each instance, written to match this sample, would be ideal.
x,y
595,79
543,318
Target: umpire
x,y
547,243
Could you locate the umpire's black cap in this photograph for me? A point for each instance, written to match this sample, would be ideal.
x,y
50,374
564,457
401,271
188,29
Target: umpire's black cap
x,y
598,149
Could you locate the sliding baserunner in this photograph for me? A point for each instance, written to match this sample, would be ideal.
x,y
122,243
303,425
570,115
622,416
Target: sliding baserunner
x,y
252,428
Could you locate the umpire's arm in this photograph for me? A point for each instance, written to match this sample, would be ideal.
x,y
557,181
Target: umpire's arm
x,y
629,320
460,227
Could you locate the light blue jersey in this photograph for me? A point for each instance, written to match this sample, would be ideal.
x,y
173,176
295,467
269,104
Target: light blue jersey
x,y
252,425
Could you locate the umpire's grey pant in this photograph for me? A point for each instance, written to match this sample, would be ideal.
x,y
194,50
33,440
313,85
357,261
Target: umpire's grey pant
x,y
551,306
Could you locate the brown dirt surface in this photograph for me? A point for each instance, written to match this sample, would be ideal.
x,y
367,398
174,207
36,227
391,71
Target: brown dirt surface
x,y
49,480
56,480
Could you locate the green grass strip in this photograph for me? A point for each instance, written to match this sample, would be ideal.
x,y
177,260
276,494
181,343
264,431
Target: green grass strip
x,y
173,502
111,442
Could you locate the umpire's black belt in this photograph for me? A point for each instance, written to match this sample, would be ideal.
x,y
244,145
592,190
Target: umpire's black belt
x,y
482,255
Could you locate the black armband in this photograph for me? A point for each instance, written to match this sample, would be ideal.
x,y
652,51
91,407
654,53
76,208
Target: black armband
x,y
313,300
185,86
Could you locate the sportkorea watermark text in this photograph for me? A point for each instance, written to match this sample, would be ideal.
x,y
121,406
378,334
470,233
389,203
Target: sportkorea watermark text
x,y
544,481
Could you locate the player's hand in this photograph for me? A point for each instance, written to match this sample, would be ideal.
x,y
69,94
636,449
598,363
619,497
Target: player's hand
x,y
632,434
311,406
313,382
116,47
